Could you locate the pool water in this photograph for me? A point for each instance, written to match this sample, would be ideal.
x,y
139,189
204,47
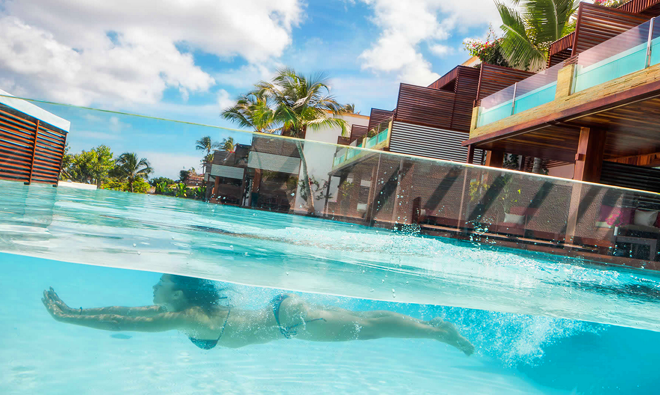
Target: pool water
x,y
540,323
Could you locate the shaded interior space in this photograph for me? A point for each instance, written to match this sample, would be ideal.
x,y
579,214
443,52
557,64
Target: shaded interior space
x,y
262,175
617,145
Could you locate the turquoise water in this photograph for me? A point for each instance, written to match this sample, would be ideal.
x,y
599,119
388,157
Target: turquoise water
x,y
540,323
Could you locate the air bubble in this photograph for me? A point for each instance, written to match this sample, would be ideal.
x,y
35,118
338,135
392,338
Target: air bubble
x,y
134,245
138,252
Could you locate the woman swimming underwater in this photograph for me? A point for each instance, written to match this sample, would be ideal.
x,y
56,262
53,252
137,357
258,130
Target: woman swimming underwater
x,y
192,306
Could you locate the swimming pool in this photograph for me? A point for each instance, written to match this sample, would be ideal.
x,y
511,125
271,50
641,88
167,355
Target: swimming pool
x,y
540,323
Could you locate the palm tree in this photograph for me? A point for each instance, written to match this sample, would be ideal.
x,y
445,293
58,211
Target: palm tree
x,y
530,26
128,167
290,105
252,110
302,103
206,144
228,144
350,109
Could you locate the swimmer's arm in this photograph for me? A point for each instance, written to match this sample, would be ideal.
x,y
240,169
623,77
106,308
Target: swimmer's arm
x,y
113,322
143,311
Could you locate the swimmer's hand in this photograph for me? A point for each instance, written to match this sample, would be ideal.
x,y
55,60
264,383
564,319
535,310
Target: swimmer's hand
x,y
51,295
451,336
54,310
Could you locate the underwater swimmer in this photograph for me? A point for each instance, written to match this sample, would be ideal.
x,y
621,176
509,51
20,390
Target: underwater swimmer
x,y
193,306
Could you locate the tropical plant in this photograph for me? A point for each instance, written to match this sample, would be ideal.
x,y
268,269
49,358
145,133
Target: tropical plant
x,y
206,144
90,166
180,190
489,51
163,188
228,144
159,180
183,175
530,26
609,3
290,104
317,188
252,110
350,109
129,168
67,160
302,103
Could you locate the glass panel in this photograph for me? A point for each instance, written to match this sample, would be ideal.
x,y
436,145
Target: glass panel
x,y
655,43
621,55
538,89
524,268
496,106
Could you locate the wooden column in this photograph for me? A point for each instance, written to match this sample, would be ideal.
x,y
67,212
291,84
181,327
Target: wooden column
x,y
34,151
589,156
470,154
216,188
588,166
495,159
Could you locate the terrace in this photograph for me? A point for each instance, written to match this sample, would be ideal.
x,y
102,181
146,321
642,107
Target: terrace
x,y
610,89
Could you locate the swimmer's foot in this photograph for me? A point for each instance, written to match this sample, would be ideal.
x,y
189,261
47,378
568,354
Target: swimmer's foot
x,y
451,336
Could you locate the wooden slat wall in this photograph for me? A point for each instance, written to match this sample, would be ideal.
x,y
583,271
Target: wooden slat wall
x,y
646,7
495,78
377,116
430,142
467,84
627,176
598,24
560,50
447,78
424,106
357,131
30,150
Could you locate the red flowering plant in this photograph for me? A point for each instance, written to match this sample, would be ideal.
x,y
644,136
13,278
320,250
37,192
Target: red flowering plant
x,y
488,51
609,3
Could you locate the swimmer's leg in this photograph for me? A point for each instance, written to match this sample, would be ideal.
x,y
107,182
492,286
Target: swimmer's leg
x,y
317,323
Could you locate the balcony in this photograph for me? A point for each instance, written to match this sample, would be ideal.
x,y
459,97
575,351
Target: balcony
x,y
378,140
627,53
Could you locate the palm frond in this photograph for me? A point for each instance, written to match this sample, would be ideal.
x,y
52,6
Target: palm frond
x,y
517,46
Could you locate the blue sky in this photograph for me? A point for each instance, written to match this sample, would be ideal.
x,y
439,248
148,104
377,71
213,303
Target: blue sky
x,y
188,60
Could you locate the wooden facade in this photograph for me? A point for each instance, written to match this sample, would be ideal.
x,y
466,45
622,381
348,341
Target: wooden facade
x,y
31,150
377,116
493,79
597,24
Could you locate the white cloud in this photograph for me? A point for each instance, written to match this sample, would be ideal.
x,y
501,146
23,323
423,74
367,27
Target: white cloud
x,y
94,51
441,50
406,24
246,76
224,100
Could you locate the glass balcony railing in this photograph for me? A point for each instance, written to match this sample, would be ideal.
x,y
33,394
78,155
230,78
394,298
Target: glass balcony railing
x,y
529,93
346,154
626,53
621,55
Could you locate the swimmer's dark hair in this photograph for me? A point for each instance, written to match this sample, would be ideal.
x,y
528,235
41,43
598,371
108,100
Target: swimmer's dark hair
x,y
199,292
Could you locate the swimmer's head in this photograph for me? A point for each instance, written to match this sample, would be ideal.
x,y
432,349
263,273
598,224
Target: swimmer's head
x,y
177,293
